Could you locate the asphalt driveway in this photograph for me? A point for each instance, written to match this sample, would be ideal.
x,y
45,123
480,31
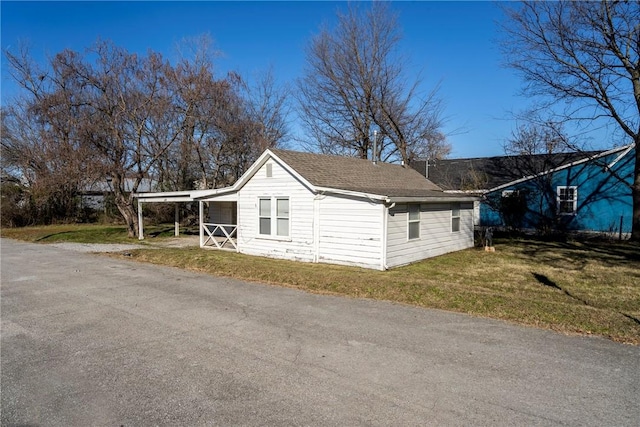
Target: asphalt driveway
x,y
91,340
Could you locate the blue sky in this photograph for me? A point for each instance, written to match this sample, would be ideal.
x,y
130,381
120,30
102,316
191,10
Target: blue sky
x,y
453,43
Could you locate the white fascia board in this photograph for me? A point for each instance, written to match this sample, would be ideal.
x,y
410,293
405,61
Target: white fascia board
x,y
559,168
252,170
218,192
435,199
622,155
291,170
163,194
178,196
203,194
213,193
223,197
266,155
324,190
467,192
161,199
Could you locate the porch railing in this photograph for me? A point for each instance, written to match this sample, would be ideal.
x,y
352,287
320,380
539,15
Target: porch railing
x,y
221,236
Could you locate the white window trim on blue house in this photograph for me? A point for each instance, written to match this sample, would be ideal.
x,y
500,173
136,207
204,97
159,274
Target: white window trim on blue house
x,y
567,199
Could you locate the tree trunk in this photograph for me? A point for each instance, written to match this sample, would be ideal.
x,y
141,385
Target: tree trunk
x,y
635,194
130,218
125,206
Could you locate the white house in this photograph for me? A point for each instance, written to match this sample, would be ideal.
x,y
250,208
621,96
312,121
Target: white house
x,y
340,210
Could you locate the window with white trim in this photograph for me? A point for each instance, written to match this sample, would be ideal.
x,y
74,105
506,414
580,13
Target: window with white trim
x,y
264,213
455,217
282,216
413,221
567,200
273,216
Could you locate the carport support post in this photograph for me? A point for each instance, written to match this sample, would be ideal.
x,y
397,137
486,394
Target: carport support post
x,y
177,221
201,221
140,224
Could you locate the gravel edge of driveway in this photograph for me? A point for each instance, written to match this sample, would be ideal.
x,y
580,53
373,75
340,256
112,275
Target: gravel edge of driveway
x,y
97,247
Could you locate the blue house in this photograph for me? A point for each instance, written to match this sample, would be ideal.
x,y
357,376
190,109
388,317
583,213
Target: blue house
x,y
580,191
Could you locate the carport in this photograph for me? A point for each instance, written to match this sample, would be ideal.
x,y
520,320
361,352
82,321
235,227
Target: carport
x,y
174,197
217,228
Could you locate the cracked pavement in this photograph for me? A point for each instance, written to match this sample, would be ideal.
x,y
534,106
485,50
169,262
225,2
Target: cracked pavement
x,y
91,340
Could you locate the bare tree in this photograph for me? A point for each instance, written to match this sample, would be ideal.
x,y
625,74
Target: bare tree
x,y
48,168
355,82
198,97
531,138
583,60
267,107
256,119
227,123
111,113
128,119
41,143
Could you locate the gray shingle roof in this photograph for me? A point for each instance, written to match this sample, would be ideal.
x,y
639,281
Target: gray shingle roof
x,y
353,174
484,173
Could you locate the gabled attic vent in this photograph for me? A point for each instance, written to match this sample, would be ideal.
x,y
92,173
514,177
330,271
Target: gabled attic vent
x,y
269,170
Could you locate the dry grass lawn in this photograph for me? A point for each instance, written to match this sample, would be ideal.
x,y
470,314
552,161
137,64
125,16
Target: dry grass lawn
x,y
571,288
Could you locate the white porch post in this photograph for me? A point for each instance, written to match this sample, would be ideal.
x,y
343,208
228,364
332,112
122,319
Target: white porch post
x,y
316,228
237,227
201,221
140,224
177,221
383,240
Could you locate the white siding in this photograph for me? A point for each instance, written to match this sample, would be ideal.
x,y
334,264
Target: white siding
x,y
350,231
299,244
436,237
344,230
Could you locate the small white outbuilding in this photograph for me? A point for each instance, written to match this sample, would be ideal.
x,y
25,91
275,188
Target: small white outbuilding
x,y
339,210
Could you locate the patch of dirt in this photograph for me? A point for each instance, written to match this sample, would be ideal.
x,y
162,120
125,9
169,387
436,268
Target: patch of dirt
x,y
177,242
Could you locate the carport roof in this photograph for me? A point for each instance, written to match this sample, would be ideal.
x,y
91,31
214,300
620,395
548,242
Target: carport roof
x,y
222,194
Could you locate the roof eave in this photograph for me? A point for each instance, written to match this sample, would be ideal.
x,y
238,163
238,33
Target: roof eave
x,y
432,199
358,194
163,196
206,194
626,148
